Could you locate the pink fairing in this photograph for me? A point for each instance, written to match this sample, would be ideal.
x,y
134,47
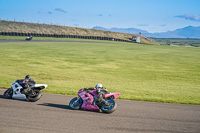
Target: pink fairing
x,y
112,94
23,81
88,99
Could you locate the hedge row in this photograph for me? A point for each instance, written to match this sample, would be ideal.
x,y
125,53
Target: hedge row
x,y
62,36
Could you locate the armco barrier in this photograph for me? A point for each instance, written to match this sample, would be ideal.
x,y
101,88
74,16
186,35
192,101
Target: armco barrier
x,y
63,36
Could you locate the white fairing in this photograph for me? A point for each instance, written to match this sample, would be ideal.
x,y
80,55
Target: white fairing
x,y
39,85
16,91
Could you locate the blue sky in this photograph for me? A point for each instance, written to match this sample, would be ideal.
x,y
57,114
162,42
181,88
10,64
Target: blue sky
x,y
150,15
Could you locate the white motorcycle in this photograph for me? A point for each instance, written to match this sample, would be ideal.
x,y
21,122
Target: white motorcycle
x,y
18,91
29,38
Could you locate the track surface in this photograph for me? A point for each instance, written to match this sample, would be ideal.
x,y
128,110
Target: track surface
x,y
51,114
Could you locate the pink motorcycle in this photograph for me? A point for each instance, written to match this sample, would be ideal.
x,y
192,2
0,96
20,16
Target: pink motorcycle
x,y
87,100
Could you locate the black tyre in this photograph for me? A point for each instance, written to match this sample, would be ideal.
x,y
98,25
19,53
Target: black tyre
x,y
34,98
109,106
8,93
75,103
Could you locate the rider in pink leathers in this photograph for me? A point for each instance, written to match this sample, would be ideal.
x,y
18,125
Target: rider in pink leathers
x,y
95,99
100,91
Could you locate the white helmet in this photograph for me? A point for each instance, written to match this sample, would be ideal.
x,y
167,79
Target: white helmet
x,y
99,86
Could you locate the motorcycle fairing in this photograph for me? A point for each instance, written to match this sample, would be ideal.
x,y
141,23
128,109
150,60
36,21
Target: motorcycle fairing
x,y
40,86
112,94
17,91
17,87
94,93
87,101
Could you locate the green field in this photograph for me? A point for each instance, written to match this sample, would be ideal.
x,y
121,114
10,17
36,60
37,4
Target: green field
x,y
178,41
138,72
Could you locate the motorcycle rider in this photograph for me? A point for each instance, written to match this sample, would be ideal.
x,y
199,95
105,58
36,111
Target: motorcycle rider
x,y
100,91
27,83
29,37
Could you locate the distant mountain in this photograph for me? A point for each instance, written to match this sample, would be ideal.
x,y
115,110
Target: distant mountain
x,y
122,30
187,32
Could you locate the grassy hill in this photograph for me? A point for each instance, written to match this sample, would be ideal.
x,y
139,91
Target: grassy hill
x,y
21,27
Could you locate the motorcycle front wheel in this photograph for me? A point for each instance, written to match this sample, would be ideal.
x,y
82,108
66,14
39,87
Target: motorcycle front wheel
x,y
34,98
8,93
75,103
109,106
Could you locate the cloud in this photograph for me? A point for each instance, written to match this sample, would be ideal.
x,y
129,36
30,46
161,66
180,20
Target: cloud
x,y
49,12
190,17
142,25
60,10
101,15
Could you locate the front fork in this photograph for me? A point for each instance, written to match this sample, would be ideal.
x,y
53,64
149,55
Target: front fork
x,y
77,100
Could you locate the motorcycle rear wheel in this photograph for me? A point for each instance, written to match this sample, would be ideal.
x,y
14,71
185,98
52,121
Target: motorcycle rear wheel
x,y
109,106
74,104
34,98
8,93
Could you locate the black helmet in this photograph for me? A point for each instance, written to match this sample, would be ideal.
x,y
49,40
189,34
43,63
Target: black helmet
x,y
27,78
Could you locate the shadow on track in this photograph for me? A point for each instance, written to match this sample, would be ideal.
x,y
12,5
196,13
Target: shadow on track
x,y
64,107
2,97
56,105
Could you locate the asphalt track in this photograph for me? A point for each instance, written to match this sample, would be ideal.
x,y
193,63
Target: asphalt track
x,y
51,114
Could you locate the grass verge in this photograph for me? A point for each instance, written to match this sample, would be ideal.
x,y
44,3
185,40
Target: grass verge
x,y
138,72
